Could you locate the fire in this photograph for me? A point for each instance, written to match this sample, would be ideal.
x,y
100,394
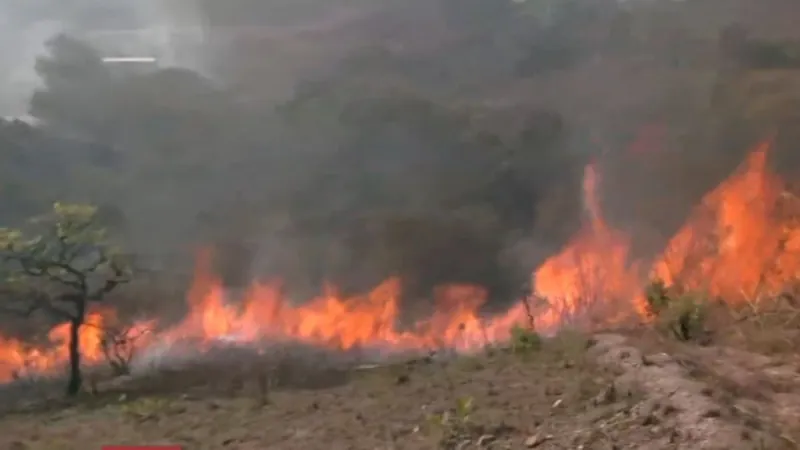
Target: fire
x,y
329,319
592,275
19,359
737,244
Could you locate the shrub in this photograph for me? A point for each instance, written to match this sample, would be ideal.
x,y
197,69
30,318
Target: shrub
x,y
680,315
524,340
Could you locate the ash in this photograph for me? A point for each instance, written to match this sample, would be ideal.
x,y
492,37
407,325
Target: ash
x,y
232,352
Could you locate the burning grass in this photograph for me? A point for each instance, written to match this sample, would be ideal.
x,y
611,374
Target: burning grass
x,y
724,280
740,245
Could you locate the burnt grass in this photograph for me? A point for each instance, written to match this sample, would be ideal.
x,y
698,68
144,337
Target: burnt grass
x,y
633,389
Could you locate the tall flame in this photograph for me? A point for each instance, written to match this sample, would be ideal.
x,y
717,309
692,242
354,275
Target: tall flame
x,y
742,241
739,242
593,273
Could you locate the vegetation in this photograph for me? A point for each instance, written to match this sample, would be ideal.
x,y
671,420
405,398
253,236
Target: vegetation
x,y
681,315
120,344
524,340
61,264
438,140
454,426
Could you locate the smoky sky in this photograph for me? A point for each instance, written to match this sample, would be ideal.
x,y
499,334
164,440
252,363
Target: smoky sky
x,y
351,140
139,25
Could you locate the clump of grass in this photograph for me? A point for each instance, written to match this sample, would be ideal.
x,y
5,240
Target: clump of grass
x,y
454,426
143,409
525,340
679,315
571,345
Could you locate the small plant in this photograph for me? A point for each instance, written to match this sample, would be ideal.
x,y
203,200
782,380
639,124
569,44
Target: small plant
x,y
657,296
685,317
459,415
454,425
144,408
681,315
524,340
464,408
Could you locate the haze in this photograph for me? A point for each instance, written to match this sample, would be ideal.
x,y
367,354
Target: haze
x,y
444,141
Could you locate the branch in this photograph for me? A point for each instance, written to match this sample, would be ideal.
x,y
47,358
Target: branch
x,y
119,277
44,269
41,267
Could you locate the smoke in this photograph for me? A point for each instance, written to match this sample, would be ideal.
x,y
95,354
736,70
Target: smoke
x,y
172,31
347,141
17,76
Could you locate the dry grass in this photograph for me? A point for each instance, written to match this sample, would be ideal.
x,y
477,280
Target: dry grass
x,y
563,392
554,395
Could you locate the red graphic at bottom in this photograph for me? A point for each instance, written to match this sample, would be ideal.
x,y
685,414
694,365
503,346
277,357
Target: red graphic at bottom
x,y
142,447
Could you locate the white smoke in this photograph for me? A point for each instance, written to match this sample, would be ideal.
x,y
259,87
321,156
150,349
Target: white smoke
x,y
18,78
169,30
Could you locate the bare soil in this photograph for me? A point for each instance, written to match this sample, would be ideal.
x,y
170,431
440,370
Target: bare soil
x,y
613,391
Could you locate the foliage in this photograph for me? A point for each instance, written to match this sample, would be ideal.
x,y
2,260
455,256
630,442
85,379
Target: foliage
x,y
453,425
60,264
146,408
680,315
525,340
657,297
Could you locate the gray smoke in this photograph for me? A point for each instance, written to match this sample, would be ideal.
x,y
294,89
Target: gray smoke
x,y
170,30
441,140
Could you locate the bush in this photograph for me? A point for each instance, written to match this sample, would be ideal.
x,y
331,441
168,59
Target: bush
x,y
680,315
524,340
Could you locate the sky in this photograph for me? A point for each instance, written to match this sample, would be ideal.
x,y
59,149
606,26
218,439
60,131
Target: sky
x,y
28,24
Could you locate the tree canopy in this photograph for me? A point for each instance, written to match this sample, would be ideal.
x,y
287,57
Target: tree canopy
x,y
60,264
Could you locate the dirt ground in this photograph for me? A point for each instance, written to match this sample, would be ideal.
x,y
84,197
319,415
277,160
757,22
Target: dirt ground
x,y
610,391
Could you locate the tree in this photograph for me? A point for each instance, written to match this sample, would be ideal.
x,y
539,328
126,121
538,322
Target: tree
x,y
61,264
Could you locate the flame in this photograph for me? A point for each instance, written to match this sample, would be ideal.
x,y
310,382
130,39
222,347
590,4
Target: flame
x,y
592,275
329,319
741,242
738,244
20,359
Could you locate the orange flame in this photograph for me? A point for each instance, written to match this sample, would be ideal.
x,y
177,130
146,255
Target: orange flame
x,y
329,319
20,359
592,274
738,243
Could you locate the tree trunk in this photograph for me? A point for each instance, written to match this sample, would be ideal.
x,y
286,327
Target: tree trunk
x,y
75,381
